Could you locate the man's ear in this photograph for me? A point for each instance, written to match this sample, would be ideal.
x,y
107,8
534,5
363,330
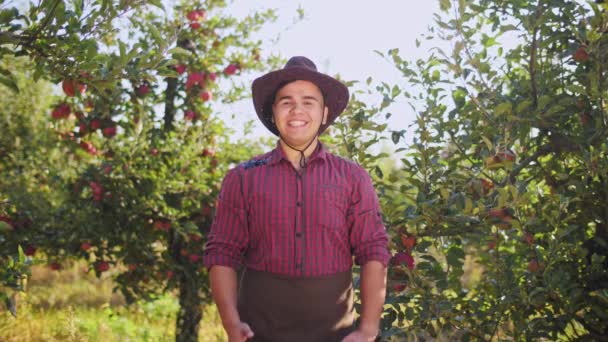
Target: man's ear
x,y
325,114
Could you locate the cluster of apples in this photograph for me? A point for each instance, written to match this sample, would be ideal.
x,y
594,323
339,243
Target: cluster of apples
x,y
404,258
196,17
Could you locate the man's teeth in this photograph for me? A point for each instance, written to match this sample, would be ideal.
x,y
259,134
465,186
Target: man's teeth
x,y
297,123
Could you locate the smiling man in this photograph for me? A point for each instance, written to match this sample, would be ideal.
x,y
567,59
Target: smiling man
x,y
292,220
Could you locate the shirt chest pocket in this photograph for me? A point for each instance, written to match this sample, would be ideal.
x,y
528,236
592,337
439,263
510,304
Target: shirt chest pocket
x,y
332,205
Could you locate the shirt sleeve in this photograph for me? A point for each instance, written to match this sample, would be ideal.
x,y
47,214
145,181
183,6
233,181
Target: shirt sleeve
x,y
368,237
229,234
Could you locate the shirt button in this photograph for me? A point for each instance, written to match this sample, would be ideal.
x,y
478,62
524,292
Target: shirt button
x,y
299,204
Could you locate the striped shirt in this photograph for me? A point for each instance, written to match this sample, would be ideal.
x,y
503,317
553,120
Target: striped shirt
x,y
301,223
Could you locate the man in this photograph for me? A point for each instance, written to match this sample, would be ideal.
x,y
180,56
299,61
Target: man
x,y
295,217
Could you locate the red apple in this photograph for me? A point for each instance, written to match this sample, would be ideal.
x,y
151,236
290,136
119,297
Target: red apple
x,y
169,274
29,250
154,152
195,237
55,266
205,95
107,169
95,124
196,15
102,266
213,163
70,86
132,267
534,266
529,238
581,55
409,241
97,190
190,115
62,111
500,213
82,128
487,186
403,258
85,246
231,69
195,25
109,132
212,76
162,225
194,258
399,287
180,68
506,155
195,78
143,89
87,146
208,152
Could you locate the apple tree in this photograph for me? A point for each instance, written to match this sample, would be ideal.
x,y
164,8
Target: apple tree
x,y
142,147
500,221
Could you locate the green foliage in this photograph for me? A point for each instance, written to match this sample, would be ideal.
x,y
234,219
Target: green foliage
x,y
504,184
125,169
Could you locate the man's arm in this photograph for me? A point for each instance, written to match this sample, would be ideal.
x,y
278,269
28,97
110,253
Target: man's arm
x,y
373,293
224,290
226,243
369,241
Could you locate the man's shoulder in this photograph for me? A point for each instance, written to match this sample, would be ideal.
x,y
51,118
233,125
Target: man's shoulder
x,y
351,166
255,162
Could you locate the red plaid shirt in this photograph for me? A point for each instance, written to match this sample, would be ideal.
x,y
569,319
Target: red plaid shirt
x,y
305,224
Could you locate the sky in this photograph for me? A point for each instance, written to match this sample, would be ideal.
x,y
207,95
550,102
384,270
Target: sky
x,y
340,36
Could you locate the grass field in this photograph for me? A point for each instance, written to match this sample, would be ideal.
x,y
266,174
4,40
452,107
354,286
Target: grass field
x,y
71,305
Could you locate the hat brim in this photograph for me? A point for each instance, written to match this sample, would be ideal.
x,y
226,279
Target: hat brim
x,y
263,88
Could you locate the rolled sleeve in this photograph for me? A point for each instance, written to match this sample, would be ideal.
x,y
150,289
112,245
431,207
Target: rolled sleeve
x,y
368,237
229,234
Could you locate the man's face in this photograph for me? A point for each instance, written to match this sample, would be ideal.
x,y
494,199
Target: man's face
x,y
299,111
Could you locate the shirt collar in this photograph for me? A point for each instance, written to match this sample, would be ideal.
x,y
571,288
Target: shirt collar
x,y
278,154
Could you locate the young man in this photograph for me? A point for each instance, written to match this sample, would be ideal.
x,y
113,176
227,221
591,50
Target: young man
x,y
295,217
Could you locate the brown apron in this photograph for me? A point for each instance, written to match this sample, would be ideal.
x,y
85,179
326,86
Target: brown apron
x,y
280,308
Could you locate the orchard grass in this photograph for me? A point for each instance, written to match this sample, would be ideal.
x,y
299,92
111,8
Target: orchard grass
x,y
71,305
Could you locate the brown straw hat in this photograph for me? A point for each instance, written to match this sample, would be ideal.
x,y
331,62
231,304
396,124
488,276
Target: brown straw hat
x,y
297,68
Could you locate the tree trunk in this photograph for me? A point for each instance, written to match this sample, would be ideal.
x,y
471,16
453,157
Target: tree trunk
x,y
190,307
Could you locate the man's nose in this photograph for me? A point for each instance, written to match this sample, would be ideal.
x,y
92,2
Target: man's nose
x,y
297,107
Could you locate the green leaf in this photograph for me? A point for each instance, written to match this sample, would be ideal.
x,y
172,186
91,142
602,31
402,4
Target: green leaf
x,y
378,172
78,7
8,15
488,143
22,256
180,52
156,3
455,256
9,82
155,34
445,5
503,108
523,105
